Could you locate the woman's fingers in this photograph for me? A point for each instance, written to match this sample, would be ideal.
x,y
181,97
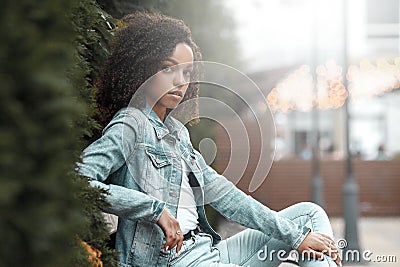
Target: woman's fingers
x,y
172,231
179,245
316,244
330,241
337,259
173,239
333,252
330,249
327,237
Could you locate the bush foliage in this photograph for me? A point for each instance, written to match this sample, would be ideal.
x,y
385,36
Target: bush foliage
x,y
47,54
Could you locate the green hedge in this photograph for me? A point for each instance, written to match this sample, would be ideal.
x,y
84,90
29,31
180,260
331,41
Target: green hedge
x,y
47,49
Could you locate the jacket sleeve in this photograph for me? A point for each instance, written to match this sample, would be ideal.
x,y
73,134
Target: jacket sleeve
x,y
241,208
105,156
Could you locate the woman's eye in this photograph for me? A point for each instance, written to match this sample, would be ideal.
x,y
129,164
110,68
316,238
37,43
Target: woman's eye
x,y
187,73
167,69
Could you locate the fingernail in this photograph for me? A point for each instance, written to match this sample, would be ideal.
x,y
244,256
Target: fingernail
x,y
166,248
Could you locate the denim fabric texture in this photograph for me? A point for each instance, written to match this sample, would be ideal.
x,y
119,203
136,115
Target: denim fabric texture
x,y
252,248
138,160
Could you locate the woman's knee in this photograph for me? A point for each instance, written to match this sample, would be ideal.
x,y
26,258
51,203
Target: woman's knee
x,y
318,217
305,212
312,208
314,211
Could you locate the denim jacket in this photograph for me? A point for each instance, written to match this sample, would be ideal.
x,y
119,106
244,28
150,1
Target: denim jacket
x,y
138,161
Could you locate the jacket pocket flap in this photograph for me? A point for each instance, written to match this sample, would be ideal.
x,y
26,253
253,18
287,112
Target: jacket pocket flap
x,y
159,159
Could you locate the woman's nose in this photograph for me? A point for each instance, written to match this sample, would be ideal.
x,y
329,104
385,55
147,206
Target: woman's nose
x,y
179,78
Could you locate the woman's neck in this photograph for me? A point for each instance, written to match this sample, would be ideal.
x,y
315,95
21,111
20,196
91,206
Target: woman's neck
x,y
159,110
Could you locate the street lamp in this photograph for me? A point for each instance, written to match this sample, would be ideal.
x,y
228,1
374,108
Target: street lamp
x,y
316,182
350,186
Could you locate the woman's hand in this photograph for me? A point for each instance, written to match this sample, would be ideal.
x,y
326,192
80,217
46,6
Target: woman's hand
x,y
316,244
172,231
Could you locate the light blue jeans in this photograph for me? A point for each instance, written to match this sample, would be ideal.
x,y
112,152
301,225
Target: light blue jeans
x,y
253,248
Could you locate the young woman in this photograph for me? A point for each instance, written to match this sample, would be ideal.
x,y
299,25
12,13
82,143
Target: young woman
x,y
158,183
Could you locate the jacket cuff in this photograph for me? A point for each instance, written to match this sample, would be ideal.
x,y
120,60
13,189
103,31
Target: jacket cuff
x,y
301,237
158,208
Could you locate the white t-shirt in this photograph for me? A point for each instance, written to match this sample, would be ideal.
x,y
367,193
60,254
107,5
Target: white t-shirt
x,y
187,213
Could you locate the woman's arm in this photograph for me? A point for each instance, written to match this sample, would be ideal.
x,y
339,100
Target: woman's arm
x,y
239,207
236,206
105,156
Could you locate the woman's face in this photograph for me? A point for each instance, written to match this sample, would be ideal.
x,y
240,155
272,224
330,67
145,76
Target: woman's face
x,y
171,82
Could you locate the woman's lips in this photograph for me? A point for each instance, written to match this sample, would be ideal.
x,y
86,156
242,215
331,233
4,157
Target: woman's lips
x,y
178,94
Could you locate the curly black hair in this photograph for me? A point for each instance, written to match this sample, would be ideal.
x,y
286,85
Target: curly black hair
x,y
143,40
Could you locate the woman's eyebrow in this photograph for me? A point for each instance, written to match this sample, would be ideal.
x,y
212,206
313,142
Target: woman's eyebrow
x,y
176,62
172,60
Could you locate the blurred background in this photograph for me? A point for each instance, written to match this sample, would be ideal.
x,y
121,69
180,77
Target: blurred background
x,y
309,58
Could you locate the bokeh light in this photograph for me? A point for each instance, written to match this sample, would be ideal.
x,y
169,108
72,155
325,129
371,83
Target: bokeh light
x,y
297,92
367,79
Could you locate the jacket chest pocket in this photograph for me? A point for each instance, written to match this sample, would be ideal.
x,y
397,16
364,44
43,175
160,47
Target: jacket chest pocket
x,y
158,159
158,173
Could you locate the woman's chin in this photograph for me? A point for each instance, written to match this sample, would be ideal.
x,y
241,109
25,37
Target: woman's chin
x,y
173,104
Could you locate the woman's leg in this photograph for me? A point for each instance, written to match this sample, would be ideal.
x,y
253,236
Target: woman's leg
x,y
314,217
253,248
197,252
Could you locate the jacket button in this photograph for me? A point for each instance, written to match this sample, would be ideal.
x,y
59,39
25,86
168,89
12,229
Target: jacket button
x,y
157,159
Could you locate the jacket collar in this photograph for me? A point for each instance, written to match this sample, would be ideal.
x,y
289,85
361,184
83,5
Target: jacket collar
x,y
170,124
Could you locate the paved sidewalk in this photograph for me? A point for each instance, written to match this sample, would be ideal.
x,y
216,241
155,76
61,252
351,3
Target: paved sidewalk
x,y
379,235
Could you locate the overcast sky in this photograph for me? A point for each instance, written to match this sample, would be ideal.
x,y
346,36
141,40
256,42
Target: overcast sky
x,y
278,33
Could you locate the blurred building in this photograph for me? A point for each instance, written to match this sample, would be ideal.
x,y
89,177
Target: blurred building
x,y
374,111
374,121
313,75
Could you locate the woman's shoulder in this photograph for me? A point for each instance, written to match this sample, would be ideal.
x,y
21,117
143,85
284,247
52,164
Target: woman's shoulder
x,y
130,112
130,116
180,128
